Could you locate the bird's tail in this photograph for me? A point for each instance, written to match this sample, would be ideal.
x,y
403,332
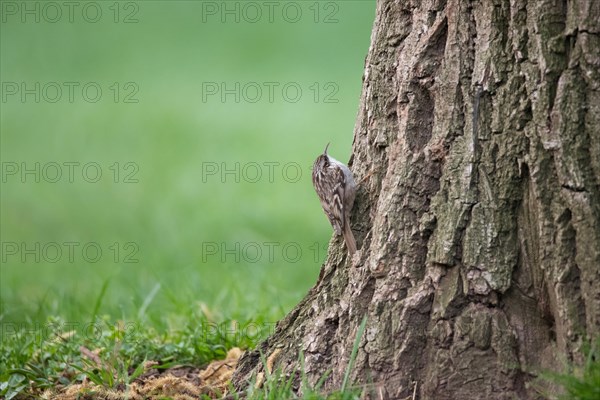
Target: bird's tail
x,y
349,238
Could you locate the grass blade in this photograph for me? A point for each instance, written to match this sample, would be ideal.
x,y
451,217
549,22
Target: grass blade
x,y
147,301
99,300
359,334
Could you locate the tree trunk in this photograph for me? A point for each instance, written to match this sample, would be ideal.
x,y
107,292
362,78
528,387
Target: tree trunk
x,y
479,226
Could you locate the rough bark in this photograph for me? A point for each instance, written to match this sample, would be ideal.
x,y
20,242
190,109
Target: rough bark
x,y
479,227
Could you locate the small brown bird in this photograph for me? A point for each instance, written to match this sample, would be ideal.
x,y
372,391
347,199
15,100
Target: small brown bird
x,y
335,186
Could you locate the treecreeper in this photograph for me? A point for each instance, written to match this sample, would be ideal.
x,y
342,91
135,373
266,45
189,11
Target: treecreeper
x,y
336,188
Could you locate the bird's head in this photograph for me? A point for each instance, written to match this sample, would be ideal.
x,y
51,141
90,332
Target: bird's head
x,y
323,160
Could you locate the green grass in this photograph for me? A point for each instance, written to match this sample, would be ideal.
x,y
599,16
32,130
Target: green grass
x,y
34,361
280,386
579,382
154,203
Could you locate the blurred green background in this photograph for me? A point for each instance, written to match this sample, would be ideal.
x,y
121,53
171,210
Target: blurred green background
x,y
161,133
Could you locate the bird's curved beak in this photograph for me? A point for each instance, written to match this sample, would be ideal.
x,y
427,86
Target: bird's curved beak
x,y
326,147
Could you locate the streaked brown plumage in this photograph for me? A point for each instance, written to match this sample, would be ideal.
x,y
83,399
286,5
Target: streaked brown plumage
x,y
335,186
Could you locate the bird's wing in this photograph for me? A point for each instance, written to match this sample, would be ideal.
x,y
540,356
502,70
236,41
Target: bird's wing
x,y
334,208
